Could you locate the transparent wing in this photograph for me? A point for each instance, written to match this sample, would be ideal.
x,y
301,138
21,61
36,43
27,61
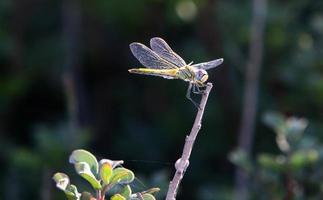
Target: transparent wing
x,y
209,65
159,46
148,58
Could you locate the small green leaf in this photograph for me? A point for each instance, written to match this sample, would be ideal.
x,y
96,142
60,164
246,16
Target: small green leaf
x,y
277,163
302,158
62,180
126,191
148,197
81,155
117,197
72,188
275,120
63,183
240,158
295,128
105,172
72,193
83,169
296,125
144,196
122,176
71,196
113,163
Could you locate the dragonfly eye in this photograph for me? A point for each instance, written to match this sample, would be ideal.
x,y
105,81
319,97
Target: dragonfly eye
x,y
202,75
204,78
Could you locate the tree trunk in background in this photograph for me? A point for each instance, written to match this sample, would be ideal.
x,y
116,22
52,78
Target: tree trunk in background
x,y
250,98
73,80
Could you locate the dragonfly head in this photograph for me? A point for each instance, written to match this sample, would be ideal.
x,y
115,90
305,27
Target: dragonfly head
x,y
201,76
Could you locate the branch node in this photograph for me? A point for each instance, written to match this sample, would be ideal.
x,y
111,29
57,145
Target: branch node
x,y
189,139
199,126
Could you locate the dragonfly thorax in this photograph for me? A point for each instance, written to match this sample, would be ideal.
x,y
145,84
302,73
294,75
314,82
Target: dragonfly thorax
x,y
192,74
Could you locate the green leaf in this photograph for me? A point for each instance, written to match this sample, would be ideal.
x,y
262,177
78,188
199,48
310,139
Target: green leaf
x,y
117,197
303,158
122,176
126,191
295,128
72,193
277,163
148,197
275,120
105,172
296,124
83,169
144,196
81,155
240,158
113,163
72,188
62,180
63,183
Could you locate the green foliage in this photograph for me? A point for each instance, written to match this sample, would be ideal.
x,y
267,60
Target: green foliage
x,y
103,176
117,197
297,162
240,158
83,169
82,156
63,183
106,172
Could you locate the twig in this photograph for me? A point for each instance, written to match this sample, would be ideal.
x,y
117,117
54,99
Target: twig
x,y
182,164
290,182
98,195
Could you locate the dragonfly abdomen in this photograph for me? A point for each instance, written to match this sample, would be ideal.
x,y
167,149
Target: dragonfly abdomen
x,y
165,73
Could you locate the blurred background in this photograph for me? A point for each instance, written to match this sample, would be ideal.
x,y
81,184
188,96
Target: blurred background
x,y
64,85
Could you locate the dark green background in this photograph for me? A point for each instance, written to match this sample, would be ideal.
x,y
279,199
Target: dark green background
x,y
64,84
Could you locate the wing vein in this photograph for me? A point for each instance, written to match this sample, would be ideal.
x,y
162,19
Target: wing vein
x,y
149,58
160,46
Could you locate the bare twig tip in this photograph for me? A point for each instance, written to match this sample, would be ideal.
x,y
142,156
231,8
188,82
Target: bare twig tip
x,y
183,162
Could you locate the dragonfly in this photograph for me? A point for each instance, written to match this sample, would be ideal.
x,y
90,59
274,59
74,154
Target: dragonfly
x,y
162,61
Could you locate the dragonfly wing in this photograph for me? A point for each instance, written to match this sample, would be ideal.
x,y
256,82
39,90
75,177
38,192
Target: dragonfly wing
x,y
159,46
209,65
148,58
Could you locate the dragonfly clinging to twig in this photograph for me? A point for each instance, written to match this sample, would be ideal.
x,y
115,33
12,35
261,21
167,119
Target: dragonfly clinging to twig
x,y
162,61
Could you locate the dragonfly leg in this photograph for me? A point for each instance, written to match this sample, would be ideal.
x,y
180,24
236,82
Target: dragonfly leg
x,y
197,90
188,95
